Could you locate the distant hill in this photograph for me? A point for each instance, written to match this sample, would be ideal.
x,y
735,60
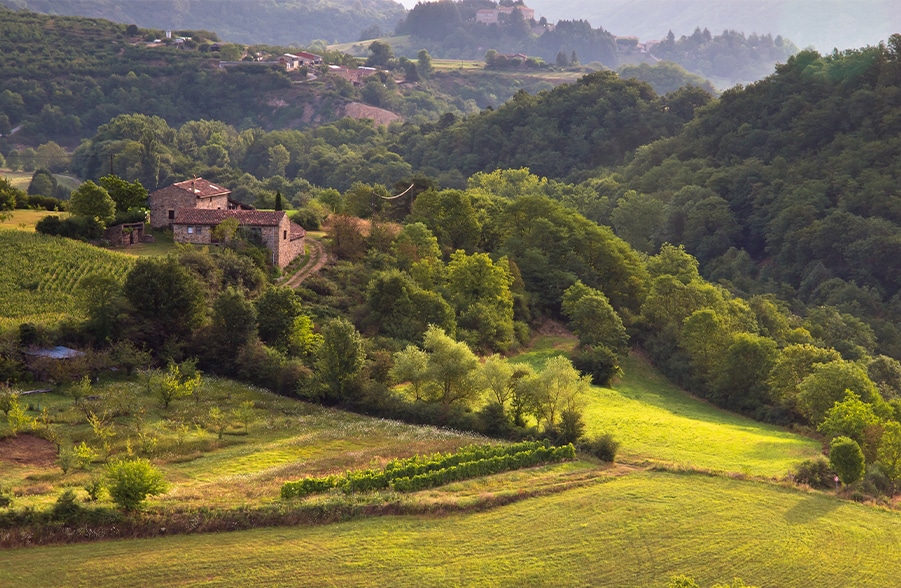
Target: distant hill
x,y
823,24
281,22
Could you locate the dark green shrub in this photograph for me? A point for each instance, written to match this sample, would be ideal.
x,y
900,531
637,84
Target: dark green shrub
x,y
571,427
598,362
815,473
66,507
76,227
604,447
132,481
494,421
846,458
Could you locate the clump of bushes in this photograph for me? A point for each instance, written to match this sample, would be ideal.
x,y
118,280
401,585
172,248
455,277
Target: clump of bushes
x,y
604,447
815,473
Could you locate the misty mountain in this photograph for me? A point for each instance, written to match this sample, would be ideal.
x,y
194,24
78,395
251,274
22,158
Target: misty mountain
x,y
822,24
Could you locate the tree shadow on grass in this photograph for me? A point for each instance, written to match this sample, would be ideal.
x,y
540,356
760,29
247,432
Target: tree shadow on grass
x,y
810,508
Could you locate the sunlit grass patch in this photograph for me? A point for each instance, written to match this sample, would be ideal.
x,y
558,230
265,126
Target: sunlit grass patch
x,y
656,421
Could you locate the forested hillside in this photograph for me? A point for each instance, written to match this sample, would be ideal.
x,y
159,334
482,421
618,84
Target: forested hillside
x,y
450,29
63,77
790,186
285,22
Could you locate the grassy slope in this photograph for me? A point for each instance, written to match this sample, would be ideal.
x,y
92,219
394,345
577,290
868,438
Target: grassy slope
x,y
635,530
656,421
25,220
287,440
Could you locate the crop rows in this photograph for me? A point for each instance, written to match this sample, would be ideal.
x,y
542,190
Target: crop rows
x,y
421,472
40,276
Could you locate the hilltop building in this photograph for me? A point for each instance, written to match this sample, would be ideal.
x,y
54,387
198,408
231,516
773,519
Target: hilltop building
x,y
492,16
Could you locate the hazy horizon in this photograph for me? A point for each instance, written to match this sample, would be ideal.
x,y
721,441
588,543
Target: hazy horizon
x,y
821,24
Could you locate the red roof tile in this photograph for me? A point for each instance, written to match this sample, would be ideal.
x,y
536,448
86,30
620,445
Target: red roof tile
x,y
200,216
297,232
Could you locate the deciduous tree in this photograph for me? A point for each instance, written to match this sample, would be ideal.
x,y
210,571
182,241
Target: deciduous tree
x,y
92,201
130,482
846,458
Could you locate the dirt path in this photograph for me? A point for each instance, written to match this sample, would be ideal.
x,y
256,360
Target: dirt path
x,y
318,259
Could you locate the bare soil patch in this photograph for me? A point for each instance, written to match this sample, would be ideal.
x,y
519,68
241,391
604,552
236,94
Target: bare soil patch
x,y
379,115
27,450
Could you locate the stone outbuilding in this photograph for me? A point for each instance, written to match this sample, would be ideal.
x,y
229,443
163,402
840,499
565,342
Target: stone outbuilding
x,y
197,193
284,239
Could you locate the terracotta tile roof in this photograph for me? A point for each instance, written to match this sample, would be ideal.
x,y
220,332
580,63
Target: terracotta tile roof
x,y
254,218
202,188
297,232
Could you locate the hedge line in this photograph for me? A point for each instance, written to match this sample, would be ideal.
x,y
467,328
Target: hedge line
x,y
421,468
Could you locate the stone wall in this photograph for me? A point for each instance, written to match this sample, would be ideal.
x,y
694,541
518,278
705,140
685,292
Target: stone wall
x,y
200,235
173,198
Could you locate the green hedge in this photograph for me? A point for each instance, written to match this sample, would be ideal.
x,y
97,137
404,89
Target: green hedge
x,y
406,475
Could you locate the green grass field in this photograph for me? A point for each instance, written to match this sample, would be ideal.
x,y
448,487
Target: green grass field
x,y
21,179
657,422
25,220
634,530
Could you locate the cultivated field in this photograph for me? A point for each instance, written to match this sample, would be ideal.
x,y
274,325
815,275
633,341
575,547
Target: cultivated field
x,y
40,275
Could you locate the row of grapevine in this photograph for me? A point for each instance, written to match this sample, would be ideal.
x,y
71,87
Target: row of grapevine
x,y
484,467
40,275
470,460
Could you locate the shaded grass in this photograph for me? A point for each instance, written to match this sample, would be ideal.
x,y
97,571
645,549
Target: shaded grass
x,y
162,245
636,530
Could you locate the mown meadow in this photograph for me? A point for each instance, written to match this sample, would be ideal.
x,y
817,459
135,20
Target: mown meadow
x,y
633,530
575,523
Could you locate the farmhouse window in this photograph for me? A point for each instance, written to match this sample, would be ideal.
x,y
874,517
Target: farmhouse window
x,y
171,214
190,230
284,235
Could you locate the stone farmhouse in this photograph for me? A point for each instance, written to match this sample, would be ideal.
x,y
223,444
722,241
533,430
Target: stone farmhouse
x,y
194,207
284,239
196,193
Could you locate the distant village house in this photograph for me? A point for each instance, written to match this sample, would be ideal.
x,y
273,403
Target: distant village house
x,y
492,16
